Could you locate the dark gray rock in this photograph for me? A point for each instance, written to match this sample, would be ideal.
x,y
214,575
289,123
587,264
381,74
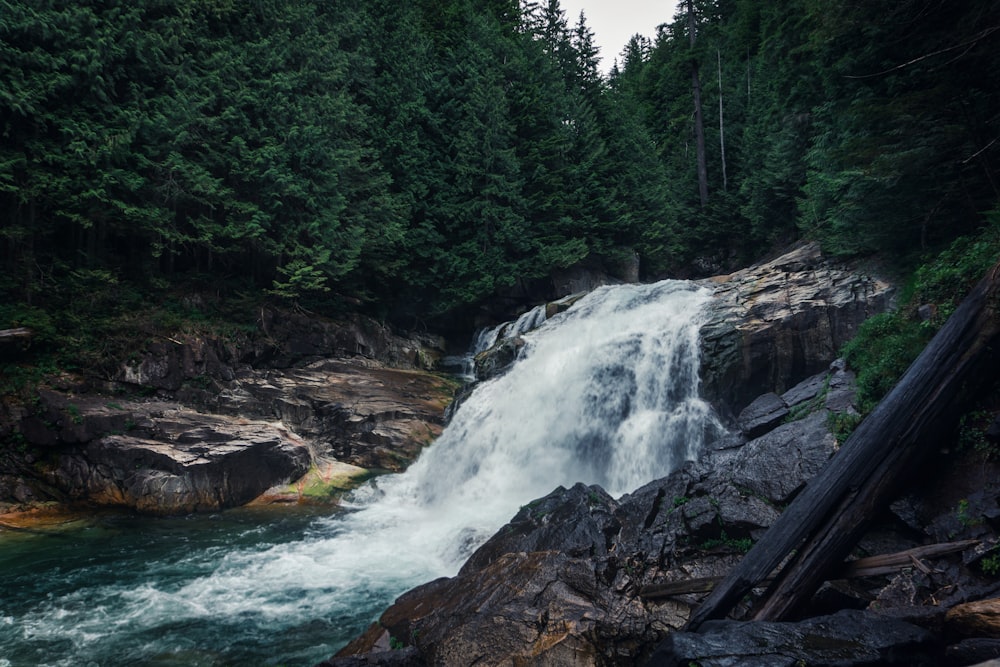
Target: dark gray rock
x,y
982,652
762,415
843,639
182,462
776,465
805,391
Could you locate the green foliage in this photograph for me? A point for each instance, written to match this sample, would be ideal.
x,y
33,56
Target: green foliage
x,y
972,434
886,344
842,424
737,545
884,347
414,158
990,565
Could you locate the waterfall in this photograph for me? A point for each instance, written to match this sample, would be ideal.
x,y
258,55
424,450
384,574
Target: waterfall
x,y
605,392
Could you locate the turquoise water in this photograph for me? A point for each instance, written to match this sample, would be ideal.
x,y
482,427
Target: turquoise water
x,y
117,589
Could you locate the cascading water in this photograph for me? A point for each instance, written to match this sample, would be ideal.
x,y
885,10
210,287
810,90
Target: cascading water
x,y
604,393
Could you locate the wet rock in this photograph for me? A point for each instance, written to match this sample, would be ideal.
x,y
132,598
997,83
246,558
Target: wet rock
x,y
979,652
846,638
498,358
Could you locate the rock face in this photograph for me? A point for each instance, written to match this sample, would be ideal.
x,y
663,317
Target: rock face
x,y
226,425
777,322
177,460
768,327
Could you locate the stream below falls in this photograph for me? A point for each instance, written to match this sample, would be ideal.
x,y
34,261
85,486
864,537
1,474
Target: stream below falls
x,y
604,393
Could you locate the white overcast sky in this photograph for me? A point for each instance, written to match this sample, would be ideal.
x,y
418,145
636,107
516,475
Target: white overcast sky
x,y
615,21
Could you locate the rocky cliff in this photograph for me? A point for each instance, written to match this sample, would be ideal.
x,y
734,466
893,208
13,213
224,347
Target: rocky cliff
x,y
776,322
203,423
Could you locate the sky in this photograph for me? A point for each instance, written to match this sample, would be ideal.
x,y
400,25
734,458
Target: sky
x,y
615,21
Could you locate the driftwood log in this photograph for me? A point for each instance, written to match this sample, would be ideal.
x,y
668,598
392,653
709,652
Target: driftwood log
x,y
871,566
824,522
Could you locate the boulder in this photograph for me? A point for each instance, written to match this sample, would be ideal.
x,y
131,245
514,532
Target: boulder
x,y
763,414
776,465
180,461
776,323
258,430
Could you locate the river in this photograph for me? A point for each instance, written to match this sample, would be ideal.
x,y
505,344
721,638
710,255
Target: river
x,y
605,393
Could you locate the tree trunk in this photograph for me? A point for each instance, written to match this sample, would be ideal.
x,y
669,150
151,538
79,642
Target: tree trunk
x,y
722,131
699,125
825,520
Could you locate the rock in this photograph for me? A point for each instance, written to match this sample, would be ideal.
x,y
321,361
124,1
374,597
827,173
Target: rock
x,y
497,359
182,461
162,457
846,638
977,652
762,415
776,323
806,391
283,339
776,465
356,411
976,619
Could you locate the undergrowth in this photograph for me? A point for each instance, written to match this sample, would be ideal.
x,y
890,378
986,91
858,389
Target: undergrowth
x,y
887,344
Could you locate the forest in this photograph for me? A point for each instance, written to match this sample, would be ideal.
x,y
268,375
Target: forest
x,y
413,160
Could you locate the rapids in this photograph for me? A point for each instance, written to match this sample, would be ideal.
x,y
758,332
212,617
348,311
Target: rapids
x,y
604,393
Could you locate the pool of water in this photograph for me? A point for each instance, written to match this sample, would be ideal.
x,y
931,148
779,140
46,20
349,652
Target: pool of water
x,y
242,587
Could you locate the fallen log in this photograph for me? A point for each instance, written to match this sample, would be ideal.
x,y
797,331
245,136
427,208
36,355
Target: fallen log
x,y
20,333
870,566
827,518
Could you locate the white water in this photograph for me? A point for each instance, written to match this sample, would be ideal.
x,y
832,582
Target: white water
x,y
604,393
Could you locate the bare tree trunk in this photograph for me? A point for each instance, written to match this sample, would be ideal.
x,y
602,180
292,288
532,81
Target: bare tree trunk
x,y
699,125
722,131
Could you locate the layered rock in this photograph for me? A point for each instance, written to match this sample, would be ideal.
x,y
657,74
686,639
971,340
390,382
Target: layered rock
x,y
777,322
225,424
175,460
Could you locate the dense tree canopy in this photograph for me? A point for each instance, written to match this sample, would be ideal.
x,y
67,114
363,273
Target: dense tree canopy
x,y
417,158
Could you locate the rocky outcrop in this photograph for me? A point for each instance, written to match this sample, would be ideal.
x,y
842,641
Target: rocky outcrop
x,y
202,423
575,577
282,339
563,582
848,638
176,461
775,323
